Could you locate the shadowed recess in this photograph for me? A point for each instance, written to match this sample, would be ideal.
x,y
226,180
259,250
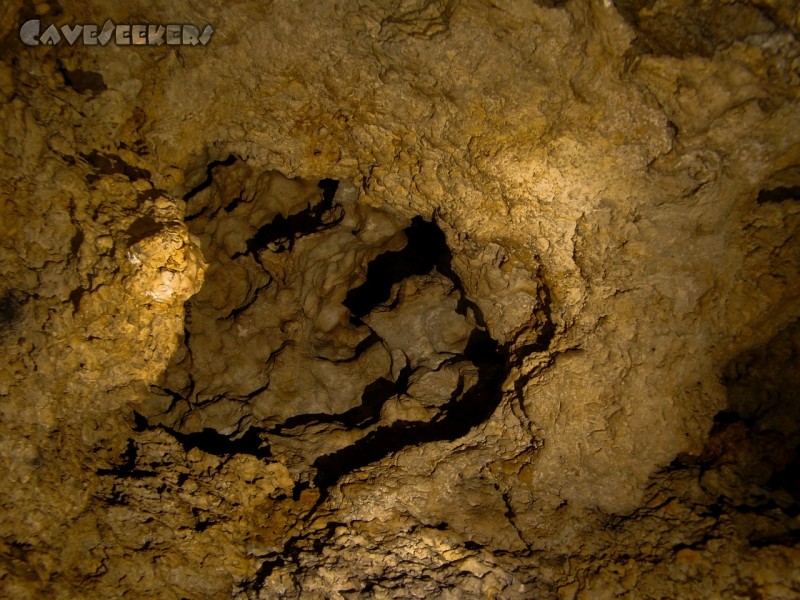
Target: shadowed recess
x,y
282,231
779,194
457,417
209,178
9,310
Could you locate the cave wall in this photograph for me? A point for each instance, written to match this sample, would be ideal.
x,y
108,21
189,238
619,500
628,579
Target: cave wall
x,y
577,380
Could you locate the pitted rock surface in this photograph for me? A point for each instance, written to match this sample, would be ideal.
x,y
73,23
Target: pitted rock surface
x,y
420,299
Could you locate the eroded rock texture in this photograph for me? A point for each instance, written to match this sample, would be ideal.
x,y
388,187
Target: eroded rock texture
x,y
420,299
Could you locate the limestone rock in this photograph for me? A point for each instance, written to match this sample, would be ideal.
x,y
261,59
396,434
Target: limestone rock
x,y
402,299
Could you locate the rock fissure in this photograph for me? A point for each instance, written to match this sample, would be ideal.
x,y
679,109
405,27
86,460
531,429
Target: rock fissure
x,y
462,352
279,235
226,162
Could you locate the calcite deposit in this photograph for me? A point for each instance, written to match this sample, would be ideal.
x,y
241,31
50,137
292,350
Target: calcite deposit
x,y
401,299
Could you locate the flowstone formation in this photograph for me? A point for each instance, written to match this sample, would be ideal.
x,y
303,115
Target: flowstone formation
x,y
402,299
331,333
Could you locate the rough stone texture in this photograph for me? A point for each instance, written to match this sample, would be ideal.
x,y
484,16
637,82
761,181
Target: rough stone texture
x,y
409,299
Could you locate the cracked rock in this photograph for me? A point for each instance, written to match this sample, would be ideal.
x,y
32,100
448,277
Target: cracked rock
x,y
421,299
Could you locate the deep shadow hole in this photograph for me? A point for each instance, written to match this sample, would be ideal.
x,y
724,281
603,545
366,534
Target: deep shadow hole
x,y
9,309
426,248
779,194
283,231
209,177
456,419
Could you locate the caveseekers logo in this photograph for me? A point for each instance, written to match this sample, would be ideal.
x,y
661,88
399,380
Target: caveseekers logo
x,y
123,35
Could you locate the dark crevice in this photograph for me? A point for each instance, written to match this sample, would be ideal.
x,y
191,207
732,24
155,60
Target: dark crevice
x,y
362,346
76,242
263,388
201,523
151,194
10,305
264,571
545,334
213,442
328,187
545,328
368,412
426,249
779,194
201,526
725,417
470,545
292,549
187,325
426,246
209,178
142,228
298,488
140,422
175,397
788,539
456,419
788,477
111,164
280,234
83,81
128,468
231,206
240,309
70,160
117,498
375,395
139,147
757,506
75,297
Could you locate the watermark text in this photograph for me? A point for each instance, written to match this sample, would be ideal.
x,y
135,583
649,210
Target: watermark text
x,y
32,34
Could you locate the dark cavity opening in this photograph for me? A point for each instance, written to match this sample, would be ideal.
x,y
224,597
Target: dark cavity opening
x,y
426,249
213,442
375,395
456,418
143,228
83,81
280,234
127,469
209,177
779,194
9,310
111,164
426,245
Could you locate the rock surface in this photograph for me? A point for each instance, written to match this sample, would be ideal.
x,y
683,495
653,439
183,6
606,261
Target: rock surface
x,y
402,299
